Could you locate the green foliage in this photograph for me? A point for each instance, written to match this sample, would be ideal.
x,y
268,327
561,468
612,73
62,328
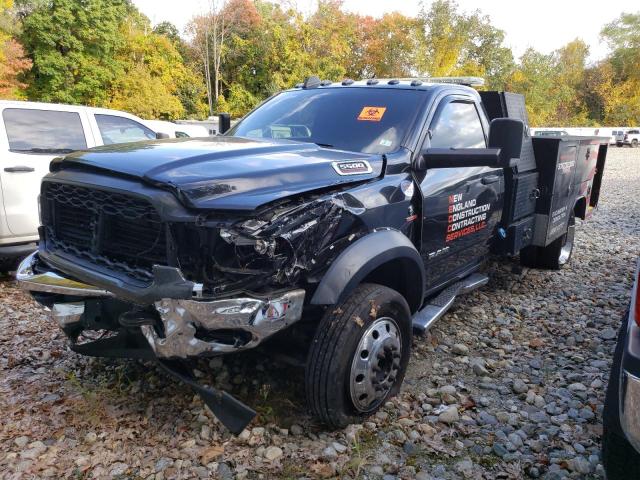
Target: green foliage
x,y
74,45
154,76
240,101
104,53
616,81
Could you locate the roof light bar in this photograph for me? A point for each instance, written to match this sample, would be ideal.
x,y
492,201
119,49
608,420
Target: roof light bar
x,y
468,81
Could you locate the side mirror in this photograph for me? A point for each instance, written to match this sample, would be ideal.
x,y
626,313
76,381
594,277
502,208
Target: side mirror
x,y
505,147
459,157
161,135
224,122
507,134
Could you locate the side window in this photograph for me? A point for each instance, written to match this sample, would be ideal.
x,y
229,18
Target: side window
x,y
458,126
33,131
114,129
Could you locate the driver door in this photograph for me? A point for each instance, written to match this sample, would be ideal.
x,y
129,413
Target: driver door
x,y
461,206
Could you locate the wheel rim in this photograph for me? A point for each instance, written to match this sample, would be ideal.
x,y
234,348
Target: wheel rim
x,y
567,246
375,365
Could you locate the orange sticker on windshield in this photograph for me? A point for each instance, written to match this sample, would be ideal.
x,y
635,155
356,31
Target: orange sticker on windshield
x,y
372,114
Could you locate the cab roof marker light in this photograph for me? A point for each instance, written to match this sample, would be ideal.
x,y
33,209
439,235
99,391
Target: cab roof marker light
x,y
311,82
347,81
373,81
325,83
394,81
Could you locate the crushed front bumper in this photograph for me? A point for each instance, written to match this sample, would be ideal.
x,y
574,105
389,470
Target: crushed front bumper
x,y
258,318
179,328
188,327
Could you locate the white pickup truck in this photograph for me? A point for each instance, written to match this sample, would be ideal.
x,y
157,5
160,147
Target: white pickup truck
x,y
630,138
31,135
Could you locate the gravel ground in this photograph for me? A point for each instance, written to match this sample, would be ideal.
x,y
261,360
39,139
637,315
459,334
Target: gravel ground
x,y
509,384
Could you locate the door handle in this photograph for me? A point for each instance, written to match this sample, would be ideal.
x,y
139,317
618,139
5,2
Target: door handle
x,y
490,179
19,169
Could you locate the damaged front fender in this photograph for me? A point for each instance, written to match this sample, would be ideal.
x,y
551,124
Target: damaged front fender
x,y
291,241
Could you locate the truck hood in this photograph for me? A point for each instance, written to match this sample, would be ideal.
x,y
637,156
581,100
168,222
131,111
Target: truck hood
x,y
232,173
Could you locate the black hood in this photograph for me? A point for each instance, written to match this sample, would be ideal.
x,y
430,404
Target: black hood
x,y
230,172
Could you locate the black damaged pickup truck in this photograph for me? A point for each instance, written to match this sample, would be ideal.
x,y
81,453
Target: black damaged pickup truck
x,y
340,217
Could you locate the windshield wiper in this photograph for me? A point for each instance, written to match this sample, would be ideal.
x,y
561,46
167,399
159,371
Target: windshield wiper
x,y
43,150
325,145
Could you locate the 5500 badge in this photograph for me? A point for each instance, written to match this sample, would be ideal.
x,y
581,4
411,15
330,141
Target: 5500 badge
x,y
358,167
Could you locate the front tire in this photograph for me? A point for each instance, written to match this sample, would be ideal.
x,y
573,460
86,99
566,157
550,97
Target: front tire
x,y
634,143
358,356
621,461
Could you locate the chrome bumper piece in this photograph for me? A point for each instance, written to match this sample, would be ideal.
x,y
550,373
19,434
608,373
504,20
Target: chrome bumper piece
x,y
261,318
258,317
51,282
66,314
630,408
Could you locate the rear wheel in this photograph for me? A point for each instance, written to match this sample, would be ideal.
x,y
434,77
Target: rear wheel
x,y
634,143
555,255
358,356
621,461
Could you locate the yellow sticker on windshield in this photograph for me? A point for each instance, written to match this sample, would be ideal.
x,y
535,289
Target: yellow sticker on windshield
x,y
372,114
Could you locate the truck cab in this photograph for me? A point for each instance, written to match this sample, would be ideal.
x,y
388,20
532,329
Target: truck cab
x,y
340,217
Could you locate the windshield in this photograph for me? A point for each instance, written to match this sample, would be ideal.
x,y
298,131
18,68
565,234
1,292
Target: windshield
x,y
369,120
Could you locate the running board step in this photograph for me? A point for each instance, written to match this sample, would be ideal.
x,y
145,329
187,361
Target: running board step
x,y
439,305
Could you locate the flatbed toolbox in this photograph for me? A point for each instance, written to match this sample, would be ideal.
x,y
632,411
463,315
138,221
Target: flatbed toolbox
x,y
543,185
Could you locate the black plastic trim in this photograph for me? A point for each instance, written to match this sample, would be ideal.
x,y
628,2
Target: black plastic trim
x,y
19,250
362,258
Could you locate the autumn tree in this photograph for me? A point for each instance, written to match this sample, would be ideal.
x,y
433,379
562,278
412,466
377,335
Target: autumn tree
x,y
622,104
13,60
153,74
456,43
385,47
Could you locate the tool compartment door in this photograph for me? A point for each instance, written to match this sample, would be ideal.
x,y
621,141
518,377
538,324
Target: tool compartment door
x,y
557,160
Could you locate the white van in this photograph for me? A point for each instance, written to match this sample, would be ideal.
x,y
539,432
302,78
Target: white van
x,y
31,135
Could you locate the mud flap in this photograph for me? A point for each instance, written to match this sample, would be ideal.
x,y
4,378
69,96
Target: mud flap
x,y
232,413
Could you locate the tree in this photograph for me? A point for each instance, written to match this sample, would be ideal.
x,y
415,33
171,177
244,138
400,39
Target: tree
x,y
463,44
535,77
74,45
13,61
621,105
623,37
571,61
386,47
154,79
444,38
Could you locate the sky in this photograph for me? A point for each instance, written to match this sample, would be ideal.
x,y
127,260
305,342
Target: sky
x,y
543,24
